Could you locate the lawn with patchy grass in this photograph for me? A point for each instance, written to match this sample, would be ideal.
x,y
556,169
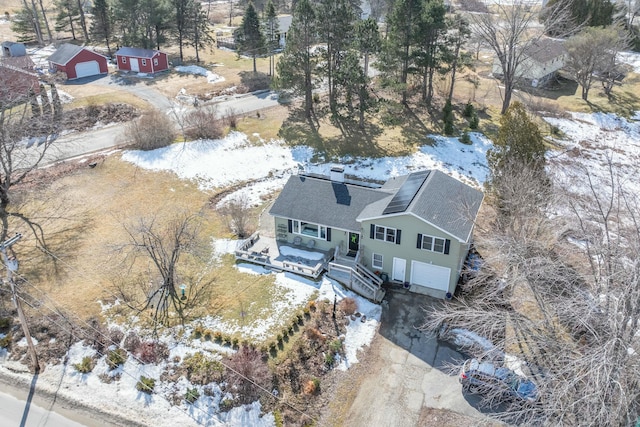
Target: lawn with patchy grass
x,y
90,206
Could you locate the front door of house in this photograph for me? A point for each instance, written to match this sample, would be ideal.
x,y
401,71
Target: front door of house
x,y
399,269
354,243
134,64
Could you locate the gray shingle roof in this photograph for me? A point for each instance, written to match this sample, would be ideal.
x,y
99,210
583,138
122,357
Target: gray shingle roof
x,y
136,51
284,22
442,201
448,204
65,53
325,202
545,49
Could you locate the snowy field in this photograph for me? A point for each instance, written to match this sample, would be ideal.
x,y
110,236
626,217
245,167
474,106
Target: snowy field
x,y
270,164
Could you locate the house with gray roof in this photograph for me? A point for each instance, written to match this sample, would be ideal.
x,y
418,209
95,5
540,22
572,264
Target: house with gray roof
x,y
541,60
414,230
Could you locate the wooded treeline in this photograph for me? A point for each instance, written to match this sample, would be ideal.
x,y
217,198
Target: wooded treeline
x,y
330,47
149,24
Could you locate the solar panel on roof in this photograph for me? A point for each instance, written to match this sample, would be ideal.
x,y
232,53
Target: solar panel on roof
x,y
402,199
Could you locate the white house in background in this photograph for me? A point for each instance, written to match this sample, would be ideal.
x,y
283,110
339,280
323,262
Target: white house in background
x,y
541,60
284,23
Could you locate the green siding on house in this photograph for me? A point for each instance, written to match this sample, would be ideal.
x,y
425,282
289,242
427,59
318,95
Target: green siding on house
x,y
440,206
338,237
410,227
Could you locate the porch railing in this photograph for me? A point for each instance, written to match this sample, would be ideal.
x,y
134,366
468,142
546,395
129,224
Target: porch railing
x,y
359,279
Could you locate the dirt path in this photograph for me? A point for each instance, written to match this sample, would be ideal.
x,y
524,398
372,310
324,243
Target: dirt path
x,y
399,381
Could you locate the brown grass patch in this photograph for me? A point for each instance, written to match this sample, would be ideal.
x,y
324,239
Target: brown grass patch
x,y
89,207
97,94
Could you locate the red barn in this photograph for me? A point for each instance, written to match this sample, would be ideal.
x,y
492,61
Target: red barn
x,y
141,60
77,62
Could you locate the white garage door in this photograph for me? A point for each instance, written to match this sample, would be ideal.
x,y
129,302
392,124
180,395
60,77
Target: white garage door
x,y
85,69
429,275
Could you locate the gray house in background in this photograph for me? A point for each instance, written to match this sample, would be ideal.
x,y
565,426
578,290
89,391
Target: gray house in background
x,y
13,49
415,230
541,61
284,23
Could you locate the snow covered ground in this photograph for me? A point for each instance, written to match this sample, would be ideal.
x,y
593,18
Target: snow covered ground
x,y
269,164
199,71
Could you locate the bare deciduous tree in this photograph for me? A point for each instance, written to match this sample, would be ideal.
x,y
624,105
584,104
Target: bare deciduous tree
x,y
562,294
237,212
25,141
510,32
174,255
593,55
248,373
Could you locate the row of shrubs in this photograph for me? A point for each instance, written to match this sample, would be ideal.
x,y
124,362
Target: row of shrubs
x,y
202,369
156,129
200,332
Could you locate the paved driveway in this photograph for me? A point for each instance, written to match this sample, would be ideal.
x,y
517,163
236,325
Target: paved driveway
x,y
407,374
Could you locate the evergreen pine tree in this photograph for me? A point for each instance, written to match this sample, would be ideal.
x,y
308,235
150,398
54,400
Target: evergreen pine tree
x,y
101,23
468,110
271,34
475,121
519,143
67,17
297,65
249,37
24,25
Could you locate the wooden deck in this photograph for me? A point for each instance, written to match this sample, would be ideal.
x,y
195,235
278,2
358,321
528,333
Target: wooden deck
x,y
284,256
310,262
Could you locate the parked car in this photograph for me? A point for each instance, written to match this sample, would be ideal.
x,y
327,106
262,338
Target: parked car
x,y
484,378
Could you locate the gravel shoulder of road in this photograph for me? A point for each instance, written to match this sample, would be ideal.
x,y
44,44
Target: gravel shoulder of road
x,y
18,386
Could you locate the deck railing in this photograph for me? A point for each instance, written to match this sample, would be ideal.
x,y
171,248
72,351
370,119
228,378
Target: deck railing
x,y
359,279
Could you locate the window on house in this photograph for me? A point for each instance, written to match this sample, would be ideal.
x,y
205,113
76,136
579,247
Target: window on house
x,y
124,59
310,229
376,261
144,62
387,234
155,61
433,244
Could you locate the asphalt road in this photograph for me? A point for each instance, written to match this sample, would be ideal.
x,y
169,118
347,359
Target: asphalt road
x,y
16,412
112,136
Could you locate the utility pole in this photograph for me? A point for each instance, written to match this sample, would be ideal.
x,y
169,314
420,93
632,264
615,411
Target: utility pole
x,y
11,263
